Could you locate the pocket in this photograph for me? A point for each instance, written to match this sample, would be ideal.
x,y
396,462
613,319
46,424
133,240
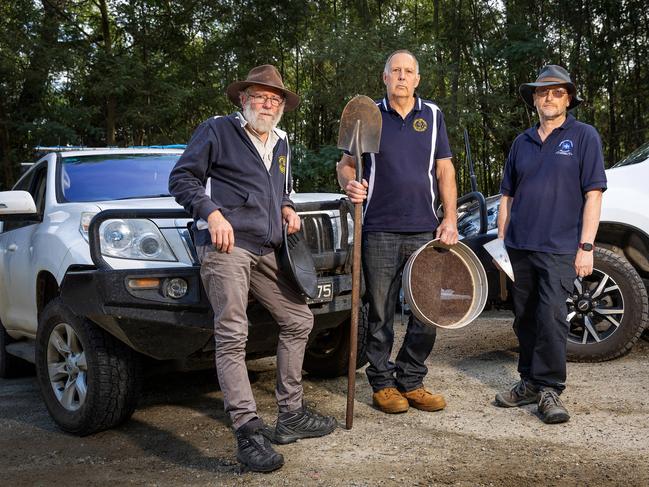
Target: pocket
x,y
251,217
568,284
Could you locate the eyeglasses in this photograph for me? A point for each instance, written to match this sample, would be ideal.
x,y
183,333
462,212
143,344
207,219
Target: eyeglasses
x,y
262,99
553,92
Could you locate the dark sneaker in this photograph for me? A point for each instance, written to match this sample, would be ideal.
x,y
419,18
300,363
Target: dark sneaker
x,y
551,409
301,423
254,450
519,395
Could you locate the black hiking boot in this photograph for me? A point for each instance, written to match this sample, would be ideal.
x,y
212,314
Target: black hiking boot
x,y
301,423
551,409
519,395
254,450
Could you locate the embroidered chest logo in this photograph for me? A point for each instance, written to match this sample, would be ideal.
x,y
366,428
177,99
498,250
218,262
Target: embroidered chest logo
x,y
564,148
282,164
419,124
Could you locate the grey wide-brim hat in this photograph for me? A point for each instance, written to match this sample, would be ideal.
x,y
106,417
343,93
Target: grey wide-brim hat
x,y
550,75
264,75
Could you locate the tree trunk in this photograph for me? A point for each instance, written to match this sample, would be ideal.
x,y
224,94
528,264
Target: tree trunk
x,y
111,99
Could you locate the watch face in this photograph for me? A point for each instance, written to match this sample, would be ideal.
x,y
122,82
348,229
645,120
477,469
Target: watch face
x,y
587,247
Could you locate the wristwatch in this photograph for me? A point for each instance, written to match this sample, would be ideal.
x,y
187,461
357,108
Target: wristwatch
x,y
588,247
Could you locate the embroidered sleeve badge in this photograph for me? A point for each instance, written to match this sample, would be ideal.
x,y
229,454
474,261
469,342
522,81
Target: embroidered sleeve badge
x,y
282,164
419,124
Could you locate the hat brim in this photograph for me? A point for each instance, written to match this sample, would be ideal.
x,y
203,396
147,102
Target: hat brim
x,y
291,103
527,90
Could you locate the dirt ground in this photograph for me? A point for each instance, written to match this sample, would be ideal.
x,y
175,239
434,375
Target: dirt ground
x,y
180,436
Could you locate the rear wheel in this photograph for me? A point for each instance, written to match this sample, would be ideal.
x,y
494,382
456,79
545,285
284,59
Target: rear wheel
x,y
607,310
328,354
89,380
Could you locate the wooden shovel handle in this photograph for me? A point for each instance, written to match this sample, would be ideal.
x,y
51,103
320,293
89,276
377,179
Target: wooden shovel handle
x,y
353,329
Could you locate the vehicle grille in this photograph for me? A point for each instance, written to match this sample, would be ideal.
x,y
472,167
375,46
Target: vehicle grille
x,y
318,231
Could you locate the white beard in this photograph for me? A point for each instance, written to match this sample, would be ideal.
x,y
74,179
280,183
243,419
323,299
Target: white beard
x,y
260,124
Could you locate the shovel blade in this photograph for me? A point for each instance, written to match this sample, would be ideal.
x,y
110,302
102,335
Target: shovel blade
x,y
363,116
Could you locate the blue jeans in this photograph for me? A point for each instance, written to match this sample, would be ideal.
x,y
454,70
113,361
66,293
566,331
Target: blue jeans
x,y
384,257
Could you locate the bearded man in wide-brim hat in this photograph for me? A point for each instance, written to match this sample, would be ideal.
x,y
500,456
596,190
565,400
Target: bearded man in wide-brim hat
x,y
235,179
549,213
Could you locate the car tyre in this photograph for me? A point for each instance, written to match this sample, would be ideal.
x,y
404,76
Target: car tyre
x,y
327,355
89,380
630,296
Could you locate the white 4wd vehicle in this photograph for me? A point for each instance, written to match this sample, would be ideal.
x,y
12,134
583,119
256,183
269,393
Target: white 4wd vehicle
x,y
98,270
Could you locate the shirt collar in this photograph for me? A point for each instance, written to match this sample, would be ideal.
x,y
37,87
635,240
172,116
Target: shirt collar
x,y
385,104
534,134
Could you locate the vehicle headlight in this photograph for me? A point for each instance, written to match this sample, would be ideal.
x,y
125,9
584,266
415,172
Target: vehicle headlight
x,y
134,239
468,222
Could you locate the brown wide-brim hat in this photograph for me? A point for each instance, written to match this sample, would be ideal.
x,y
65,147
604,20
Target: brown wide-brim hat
x,y
264,75
550,75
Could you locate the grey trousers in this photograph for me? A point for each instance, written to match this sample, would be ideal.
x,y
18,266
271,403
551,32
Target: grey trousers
x,y
227,279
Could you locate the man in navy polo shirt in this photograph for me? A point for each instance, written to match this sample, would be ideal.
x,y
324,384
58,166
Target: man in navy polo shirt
x,y
549,213
402,186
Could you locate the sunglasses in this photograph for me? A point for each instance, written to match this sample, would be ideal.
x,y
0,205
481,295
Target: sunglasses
x,y
553,92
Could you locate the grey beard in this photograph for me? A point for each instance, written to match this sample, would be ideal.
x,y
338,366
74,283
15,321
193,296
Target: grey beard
x,y
260,126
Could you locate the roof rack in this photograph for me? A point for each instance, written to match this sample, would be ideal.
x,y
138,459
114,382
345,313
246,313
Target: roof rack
x,y
167,146
68,148
63,148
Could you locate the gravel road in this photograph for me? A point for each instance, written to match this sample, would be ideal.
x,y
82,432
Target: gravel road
x,y
180,436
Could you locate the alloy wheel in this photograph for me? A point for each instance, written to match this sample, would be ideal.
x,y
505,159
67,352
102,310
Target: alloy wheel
x,y
67,367
595,308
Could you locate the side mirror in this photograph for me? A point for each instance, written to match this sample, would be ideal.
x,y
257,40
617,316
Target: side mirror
x,y
16,204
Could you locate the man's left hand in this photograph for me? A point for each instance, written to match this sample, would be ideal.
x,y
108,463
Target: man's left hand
x,y
447,232
292,219
584,263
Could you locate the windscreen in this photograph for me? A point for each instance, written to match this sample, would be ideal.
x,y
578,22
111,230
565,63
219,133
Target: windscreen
x,y
116,176
639,155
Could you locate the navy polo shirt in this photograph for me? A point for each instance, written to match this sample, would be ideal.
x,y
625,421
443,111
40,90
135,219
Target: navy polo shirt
x,y
548,181
403,193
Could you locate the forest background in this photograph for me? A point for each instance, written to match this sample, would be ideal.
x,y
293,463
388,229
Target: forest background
x,y
142,72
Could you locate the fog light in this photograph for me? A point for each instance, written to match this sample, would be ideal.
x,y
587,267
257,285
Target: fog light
x,y
175,288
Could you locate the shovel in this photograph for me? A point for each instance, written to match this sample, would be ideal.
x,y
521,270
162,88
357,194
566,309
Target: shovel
x,y
359,133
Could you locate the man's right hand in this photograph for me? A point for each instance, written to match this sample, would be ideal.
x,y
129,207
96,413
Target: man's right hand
x,y
221,232
356,191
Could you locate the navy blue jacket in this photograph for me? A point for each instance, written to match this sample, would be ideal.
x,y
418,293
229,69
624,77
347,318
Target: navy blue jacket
x,y
222,170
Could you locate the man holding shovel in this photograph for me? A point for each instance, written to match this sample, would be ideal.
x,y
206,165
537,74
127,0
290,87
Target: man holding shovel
x,y
408,178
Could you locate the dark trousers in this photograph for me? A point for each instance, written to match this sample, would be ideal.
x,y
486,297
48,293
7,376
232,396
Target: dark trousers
x,y
384,257
543,283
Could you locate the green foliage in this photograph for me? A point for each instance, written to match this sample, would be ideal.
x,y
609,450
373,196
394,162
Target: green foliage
x,y
313,170
148,71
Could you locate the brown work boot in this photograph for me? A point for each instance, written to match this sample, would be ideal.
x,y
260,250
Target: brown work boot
x,y
424,400
390,400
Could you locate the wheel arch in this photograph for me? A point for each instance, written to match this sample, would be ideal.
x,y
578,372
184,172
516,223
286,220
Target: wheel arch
x,y
627,241
47,288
